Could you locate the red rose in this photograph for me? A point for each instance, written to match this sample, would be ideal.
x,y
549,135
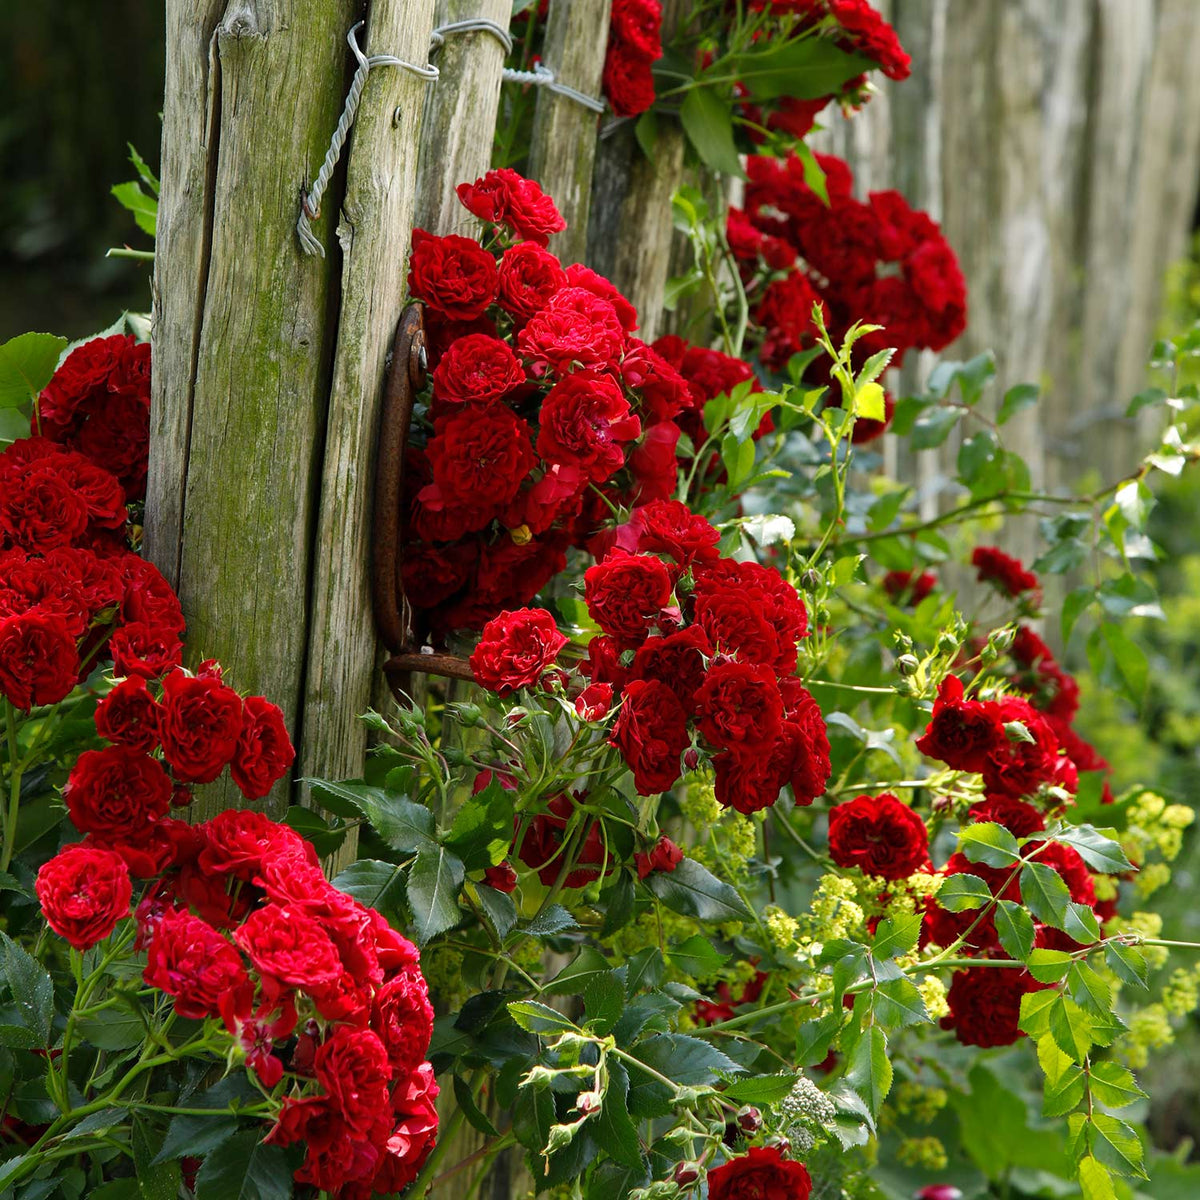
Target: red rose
x,y
352,1067
664,856
454,275
879,835
529,277
808,741
477,369
191,961
403,1018
541,849
985,1005
669,527
41,510
406,1150
264,750
503,197
290,946
738,706
762,1173
1018,765
628,81
869,34
516,650
579,276
945,927
199,726
576,329
117,794
751,611
149,597
239,841
128,715
594,702
638,24
1006,572
678,660
625,594
38,660
84,891
584,421
502,877
1019,818
336,1154
785,315
909,588
479,459
651,733
961,733
142,649
663,391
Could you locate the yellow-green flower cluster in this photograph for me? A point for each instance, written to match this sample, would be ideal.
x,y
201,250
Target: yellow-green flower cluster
x,y
916,1100
925,1152
1149,1030
784,929
834,912
1182,993
700,806
1154,826
933,992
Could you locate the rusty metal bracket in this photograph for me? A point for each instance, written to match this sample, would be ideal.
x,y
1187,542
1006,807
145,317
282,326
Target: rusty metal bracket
x,y
393,618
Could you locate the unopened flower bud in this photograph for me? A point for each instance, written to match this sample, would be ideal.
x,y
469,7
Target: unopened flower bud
x,y
686,1173
947,643
988,655
908,664
691,758
811,579
181,796
821,614
456,756
469,715
938,1191
904,686
1002,639
589,1102
749,1119
942,804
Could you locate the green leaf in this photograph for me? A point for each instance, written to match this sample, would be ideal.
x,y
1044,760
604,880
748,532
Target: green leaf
x,y
554,920
244,1168
378,885
113,1031
1079,922
962,892
1016,399
868,1069
31,987
1132,664
897,1004
1094,1180
896,936
474,1115
708,122
868,402
1070,1027
578,973
1014,927
311,826
483,827
1065,1083
990,843
144,207
644,971
806,68
603,1002
539,1018
1045,893
433,883
27,364
685,1060
533,1114
405,826
694,891
815,1038
1074,606
1035,1012
697,957
1117,1145
610,1180
1049,966
933,426
498,907
1114,1085
156,1180
760,1089
814,175
1128,964
612,1126
189,1134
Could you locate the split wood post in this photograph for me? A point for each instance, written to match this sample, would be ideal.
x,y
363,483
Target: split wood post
x,y
248,344
630,225
563,147
373,231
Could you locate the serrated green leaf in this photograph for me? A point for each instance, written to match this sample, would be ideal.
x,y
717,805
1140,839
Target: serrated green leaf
x,y
962,892
1128,964
1049,966
896,936
31,987
498,907
376,884
814,1039
1100,852
539,1018
434,880
933,426
192,1134
1095,1182
1016,399
1114,1085
990,843
868,1069
405,826
1070,1027
1079,923
1045,893
1014,926
708,123
483,827
897,1004
603,1002
475,1116
697,957
612,1126
1117,1146
760,1089
694,891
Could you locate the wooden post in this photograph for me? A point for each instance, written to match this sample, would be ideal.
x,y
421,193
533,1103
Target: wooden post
x,y
251,336
563,148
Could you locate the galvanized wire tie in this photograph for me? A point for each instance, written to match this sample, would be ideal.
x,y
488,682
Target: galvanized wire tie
x,y
540,76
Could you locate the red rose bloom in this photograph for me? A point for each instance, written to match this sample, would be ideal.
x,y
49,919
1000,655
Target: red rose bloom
x,y
651,733
476,369
41,510
1016,767
869,34
751,611
594,702
1003,570
117,794
907,587
879,835
199,726
664,856
529,276
38,660
985,1005
406,1150
1019,818
516,650
264,750
454,275
352,1067
625,594
128,715
576,329
84,891
638,24
503,197
627,80
584,421
664,393
239,841
403,1018
961,733
579,276
191,961
290,946
669,527
142,649
678,660
502,877
479,459
762,1173
739,706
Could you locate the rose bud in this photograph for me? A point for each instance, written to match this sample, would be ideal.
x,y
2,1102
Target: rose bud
x,y
811,579
938,1191
594,702
502,877
907,664
686,1172
749,1119
589,1102
691,758
181,796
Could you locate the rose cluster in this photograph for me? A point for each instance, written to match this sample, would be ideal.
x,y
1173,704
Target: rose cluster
x,y
545,411
634,44
880,262
239,924
855,27
72,593
98,403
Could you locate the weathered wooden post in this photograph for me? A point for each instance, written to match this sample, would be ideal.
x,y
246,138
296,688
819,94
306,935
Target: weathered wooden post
x,y
268,360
